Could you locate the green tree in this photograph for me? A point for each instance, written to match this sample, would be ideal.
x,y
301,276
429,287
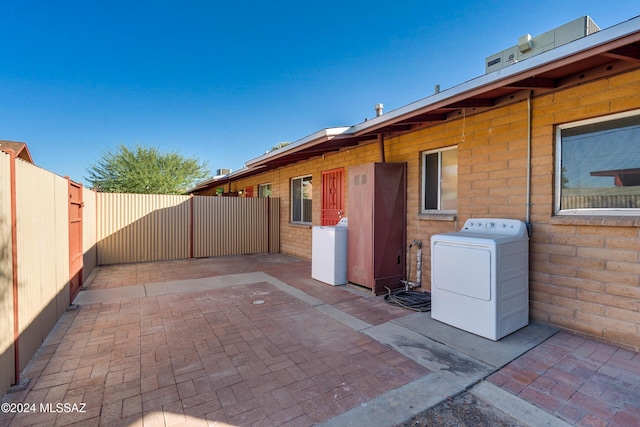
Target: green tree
x,y
145,170
279,145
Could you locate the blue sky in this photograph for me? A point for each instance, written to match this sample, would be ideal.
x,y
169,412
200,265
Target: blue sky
x,y
226,81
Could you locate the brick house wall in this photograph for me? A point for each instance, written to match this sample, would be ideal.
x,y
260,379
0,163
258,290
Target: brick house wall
x,y
584,271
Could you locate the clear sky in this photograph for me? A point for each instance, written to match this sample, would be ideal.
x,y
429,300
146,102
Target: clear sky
x,y
226,81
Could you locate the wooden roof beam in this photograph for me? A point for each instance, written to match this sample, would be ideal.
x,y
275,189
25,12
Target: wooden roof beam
x,y
433,117
472,103
400,127
534,82
626,53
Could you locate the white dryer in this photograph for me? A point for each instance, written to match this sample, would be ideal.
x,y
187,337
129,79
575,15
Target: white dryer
x,y
480,277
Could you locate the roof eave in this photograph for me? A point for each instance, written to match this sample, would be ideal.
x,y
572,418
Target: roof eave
x,y
310,140
599,42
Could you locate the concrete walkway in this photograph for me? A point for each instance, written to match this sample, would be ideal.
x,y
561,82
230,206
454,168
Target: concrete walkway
x,y
254,341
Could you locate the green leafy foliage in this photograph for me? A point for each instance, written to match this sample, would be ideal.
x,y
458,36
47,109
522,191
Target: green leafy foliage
x,y
145,170
279,145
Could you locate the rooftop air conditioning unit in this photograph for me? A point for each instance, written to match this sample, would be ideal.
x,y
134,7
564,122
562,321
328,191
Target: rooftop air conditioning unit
x,y
531,46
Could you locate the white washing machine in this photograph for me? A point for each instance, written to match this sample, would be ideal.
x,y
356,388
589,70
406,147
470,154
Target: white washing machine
x,y
329,253
480,277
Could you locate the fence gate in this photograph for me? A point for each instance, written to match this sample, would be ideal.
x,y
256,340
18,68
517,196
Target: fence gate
x,y
75,238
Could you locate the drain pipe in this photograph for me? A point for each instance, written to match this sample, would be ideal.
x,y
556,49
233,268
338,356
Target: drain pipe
x,y
418,263
528,214
418,283
381,147
378,108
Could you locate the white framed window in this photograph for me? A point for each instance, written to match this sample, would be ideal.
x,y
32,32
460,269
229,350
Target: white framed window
x,y
598,166
264,190
440,180
301,199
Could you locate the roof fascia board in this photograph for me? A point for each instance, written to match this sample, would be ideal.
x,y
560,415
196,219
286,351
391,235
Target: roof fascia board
x,y
594,44
257,163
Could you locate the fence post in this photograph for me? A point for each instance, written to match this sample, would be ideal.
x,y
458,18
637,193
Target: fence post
x,y
191,225
14,262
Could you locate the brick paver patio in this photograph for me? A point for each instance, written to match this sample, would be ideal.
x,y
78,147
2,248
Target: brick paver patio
x,y
242,355
253,354
582,381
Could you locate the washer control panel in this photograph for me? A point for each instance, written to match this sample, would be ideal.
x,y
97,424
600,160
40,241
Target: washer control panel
x,y
512,227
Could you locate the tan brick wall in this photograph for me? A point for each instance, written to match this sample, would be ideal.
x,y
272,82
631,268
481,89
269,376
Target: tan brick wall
x,y
584,272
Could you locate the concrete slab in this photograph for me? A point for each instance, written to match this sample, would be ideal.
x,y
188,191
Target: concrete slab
x,y
97,296
180,286
494,353
451,364
396,406
243,278
516,407
342,317
302,296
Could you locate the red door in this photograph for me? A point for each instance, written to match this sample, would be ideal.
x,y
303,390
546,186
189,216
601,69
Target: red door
x,y
75,238
332,196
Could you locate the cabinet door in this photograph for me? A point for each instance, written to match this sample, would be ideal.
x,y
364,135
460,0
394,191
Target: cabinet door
x,y
360,228
389,199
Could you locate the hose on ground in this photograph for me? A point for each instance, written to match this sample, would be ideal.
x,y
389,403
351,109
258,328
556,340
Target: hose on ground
x,y
413,300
